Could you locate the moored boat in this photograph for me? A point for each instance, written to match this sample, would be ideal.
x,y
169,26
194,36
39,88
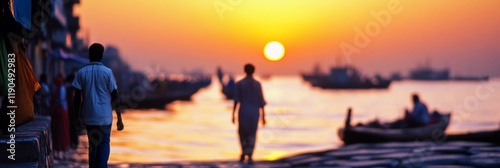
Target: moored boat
x,y
160,92
364,134
471,78
429,74
159,100
227,87
346,77
228,93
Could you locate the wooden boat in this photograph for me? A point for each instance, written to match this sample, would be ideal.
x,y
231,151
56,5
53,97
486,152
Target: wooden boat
x,y
362,134
226,90
162,94
326,84
228,93
160,100
346,77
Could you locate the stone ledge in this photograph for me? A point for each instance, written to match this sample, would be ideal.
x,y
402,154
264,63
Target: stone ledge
x,y
33,144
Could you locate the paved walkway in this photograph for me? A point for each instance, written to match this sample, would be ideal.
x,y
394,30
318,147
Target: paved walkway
x,y
395,154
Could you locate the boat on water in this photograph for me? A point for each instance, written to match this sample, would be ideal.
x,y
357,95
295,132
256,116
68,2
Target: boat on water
x,y
471,78
366,134
159,100
426,73
346,77
227,87
162,92
228,93
316,74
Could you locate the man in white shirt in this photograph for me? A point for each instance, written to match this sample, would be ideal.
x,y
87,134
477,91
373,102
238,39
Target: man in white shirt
x,y
96,84
419,116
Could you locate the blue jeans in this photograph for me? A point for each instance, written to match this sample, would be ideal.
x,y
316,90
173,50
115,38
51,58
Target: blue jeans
x,y
99,136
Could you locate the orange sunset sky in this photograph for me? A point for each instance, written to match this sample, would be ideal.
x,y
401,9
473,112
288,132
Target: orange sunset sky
x,y
183,35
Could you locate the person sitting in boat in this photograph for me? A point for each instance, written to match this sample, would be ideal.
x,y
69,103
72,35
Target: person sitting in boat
x,y
419,116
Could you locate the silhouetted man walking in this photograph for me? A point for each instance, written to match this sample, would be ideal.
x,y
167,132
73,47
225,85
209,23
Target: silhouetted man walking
x,y
96,83
248,95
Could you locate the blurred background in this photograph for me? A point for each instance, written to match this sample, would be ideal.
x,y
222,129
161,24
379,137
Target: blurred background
x,y
175,60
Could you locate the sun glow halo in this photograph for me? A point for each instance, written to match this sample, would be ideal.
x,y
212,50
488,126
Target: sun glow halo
x,y
274,51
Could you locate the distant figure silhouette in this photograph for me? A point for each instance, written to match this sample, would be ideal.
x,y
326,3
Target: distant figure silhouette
x,y
419,116
231,83
248,95
220,75
59,115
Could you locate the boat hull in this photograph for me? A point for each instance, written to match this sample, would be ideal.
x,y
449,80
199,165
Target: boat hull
x,y
332,85
159,101
351,135
228,93
324,82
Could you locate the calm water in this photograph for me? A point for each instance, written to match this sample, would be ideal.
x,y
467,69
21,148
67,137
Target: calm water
x,y
300,118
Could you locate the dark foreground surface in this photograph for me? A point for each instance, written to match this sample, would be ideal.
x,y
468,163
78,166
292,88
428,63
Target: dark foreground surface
x,y
458,154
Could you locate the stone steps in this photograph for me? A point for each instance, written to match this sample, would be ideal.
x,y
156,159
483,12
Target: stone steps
x,y
33,145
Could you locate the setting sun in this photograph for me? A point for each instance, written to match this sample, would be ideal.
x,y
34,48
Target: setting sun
x,y
274,51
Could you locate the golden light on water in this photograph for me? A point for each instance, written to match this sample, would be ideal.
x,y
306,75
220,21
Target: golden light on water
x,y
274,51
307,120
275,155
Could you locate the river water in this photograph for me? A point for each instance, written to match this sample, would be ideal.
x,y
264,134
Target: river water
x,y
300,118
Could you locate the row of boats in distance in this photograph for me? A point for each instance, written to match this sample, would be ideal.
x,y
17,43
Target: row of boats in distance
x,y
162,91
348,77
